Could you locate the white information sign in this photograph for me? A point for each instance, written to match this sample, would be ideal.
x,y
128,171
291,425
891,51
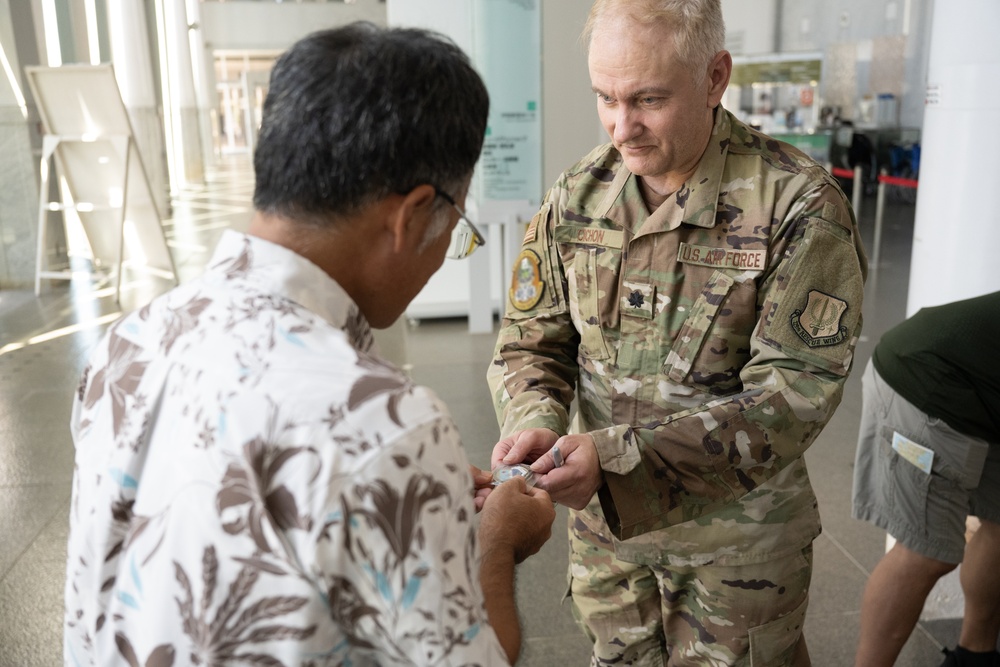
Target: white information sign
x,y
507,52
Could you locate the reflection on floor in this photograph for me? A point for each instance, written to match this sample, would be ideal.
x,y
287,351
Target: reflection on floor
x,y
44,342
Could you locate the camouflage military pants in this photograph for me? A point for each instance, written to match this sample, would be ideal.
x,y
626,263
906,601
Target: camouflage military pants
x,y
744,615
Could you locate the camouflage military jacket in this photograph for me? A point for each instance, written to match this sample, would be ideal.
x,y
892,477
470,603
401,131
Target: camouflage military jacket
x,y
706,342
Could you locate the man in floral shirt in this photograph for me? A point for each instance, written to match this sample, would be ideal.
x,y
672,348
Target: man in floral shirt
x,y
253,483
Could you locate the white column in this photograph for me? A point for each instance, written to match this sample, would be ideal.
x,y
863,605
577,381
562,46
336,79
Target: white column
x,y
203,72
179,99
79,51
18,167
132,60
957,227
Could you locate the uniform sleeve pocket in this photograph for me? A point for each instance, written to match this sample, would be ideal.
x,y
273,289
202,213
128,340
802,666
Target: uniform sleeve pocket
x,y
816,303
535,284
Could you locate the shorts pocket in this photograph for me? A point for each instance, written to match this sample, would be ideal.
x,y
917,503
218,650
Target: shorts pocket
x,y
906,488
957,457
773,644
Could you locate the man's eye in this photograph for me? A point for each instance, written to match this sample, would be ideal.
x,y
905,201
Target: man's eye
x,y
607,99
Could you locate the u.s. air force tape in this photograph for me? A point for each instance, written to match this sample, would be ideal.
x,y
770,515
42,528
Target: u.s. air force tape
x,y
721,258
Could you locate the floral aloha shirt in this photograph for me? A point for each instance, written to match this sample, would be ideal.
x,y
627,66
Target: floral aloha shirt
x,y
255,486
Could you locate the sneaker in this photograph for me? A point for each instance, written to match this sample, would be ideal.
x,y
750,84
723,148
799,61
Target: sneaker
x,y
954,659
950,658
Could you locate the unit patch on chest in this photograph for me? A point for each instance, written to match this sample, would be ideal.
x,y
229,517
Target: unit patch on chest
x,y
526,285
818,324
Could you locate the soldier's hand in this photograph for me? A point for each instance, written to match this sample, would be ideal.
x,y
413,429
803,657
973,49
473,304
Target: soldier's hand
x,y
580,476
516,517
527,445
482,483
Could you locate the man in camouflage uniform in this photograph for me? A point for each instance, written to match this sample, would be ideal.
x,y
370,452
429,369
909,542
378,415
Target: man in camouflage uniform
x,y
697,287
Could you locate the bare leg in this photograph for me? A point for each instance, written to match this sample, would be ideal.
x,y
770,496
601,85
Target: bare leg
x,y
893,599
980,578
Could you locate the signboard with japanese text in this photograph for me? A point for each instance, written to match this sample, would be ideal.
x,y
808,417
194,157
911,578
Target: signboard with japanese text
x,y
507,52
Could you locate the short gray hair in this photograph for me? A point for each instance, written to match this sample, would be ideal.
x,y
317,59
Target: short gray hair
x,y
696,25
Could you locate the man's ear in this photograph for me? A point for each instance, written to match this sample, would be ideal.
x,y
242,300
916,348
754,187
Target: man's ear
x,y
719,71
410,217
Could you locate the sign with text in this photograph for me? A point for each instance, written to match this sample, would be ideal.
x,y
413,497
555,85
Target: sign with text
x,y
507,39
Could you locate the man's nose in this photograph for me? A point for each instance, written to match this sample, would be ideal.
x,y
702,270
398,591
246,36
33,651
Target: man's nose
x,y
627,125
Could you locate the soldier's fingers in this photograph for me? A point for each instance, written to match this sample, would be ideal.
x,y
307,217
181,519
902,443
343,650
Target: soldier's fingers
x,y
544,464
518,451
574,444
567,493
500,451
554,482
570,485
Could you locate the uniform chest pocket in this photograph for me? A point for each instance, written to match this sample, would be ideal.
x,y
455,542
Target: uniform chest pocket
x,y
585,303
691,337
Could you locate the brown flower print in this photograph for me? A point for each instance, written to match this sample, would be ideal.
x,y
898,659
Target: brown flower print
x,y
224,638
247,485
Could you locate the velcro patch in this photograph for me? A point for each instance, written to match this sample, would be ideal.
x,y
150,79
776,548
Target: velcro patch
x,y
722,258
526,285
818,324
532,231
638,300
830,212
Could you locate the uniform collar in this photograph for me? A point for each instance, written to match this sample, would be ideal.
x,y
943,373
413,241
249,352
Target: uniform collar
x,y
273,269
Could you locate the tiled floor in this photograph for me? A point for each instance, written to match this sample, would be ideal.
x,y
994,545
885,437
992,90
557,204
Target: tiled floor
x,y
44,341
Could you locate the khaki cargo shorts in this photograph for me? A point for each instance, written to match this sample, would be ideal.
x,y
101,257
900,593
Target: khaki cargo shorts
x,y
924,511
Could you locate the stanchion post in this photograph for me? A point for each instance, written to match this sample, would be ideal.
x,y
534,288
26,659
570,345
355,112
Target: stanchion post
x,y
857,192
879,211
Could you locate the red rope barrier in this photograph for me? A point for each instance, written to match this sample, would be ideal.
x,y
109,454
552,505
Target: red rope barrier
x,y
896,180
842,173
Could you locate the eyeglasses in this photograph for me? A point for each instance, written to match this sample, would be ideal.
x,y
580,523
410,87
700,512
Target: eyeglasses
x,y
465,238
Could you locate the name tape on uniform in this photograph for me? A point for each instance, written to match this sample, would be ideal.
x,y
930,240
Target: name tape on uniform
x,y
721,258
608,238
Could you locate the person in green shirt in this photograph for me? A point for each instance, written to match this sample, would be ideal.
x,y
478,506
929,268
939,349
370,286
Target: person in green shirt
x,y
929,456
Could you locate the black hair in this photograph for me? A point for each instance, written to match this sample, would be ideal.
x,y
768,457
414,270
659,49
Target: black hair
x,y
359,112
